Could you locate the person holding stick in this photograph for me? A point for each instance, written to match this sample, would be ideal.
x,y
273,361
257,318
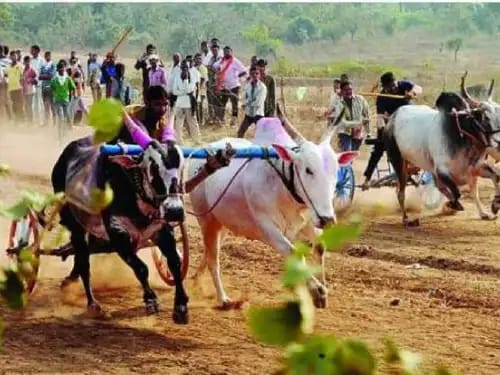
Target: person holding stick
x,y
394,94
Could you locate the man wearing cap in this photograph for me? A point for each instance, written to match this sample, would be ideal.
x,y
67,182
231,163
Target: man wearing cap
x,y
229,71
268,80
385,108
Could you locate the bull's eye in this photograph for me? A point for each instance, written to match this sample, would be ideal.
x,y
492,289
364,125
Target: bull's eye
x,y
308,171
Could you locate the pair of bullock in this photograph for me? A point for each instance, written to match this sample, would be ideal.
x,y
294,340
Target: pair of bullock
x,y
451,141
265,202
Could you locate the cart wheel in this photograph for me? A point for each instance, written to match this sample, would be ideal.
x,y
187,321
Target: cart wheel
x,y
181,235
24,234
344,191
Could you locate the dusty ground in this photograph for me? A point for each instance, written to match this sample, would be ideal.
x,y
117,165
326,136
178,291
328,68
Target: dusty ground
x,y
449,310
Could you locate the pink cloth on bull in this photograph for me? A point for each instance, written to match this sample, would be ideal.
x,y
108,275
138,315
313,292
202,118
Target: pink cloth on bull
x,y
269,130
168,133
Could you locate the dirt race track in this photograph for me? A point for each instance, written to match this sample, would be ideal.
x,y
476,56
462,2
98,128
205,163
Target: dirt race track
x,y
449,310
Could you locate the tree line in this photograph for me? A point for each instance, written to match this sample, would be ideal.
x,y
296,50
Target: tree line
x,y
263,27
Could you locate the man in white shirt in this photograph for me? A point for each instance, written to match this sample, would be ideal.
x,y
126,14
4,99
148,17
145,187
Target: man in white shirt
x,y
229,71
174,72
4,97
36,63
185,105
255,97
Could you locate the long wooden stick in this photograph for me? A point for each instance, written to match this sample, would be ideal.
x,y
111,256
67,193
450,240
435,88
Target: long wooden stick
x,y
127,31
382,95
282,95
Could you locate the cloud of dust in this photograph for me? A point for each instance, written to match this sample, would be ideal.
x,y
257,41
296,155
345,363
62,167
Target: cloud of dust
x,y
378,201
33,150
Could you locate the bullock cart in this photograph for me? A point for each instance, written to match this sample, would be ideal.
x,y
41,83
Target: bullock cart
x,y
26,233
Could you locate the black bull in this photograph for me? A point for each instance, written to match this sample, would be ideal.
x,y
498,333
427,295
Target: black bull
x,y
126,207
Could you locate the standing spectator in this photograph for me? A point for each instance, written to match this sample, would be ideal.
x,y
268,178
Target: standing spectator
x,y
255,97
356,118
270,105
14,74
202,86
29,83
174,72
120,88
204,53
230,70
76,107
4,96
183,89
47,72
212,98
334,96
94,77
108,70
36,63
77,62
19,55
62,86
157,75
253,62
143,64
193,72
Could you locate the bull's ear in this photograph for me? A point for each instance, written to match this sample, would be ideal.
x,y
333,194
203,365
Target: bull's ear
x,y
123,161
283,152
347,157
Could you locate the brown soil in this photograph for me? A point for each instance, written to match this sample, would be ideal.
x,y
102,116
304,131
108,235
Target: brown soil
x,y
448,308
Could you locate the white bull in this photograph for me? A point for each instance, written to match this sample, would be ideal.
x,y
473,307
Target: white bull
x,y
451,145
267,199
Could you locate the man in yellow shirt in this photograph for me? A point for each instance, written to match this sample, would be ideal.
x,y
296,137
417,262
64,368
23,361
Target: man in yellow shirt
x,y
14,73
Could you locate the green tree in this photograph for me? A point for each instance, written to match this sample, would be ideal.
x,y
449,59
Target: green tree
x,y
258,36
301,30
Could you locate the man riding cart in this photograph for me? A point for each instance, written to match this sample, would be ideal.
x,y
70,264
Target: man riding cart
x,y
394,94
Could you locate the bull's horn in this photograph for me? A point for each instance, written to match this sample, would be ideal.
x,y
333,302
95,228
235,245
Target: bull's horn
x,y
463,91
490,91
290,129
138,135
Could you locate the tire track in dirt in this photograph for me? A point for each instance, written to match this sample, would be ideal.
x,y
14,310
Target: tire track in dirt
x,y
429,261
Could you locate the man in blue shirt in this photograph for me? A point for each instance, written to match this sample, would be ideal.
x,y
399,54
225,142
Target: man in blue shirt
x,y
386,106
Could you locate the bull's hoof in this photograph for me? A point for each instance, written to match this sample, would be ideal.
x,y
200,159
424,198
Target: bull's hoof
x,y
231,305
456,205
95,311
495,205
411,223
487,216
320,303
152,306
180,314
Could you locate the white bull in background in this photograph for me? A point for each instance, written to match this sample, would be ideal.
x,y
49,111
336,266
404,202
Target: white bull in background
x,y
268,198
449,143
